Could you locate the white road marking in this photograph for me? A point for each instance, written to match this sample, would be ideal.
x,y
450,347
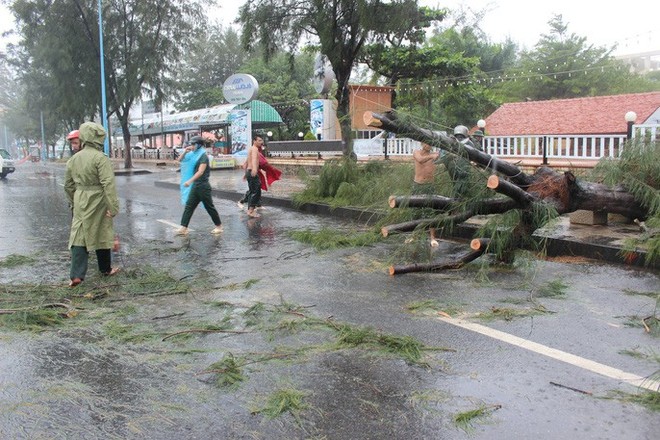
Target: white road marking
x,y
174,225
595,367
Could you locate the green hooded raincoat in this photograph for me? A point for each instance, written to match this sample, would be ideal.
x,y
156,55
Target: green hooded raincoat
x,y
90,186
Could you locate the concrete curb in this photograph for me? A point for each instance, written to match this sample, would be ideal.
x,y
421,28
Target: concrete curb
x,y
131,172
555,247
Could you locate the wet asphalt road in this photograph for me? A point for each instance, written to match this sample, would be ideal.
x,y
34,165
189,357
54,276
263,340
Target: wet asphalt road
x,y
74,382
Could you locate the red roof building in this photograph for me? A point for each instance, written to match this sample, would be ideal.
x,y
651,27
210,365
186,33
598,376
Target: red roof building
x,y
578,116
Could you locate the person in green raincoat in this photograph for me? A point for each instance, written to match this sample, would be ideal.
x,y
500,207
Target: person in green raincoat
x,y
90,187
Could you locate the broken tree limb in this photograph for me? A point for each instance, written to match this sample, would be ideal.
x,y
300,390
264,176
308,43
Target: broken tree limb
x,y
426,223
388,121
589,393
441,203
203,330
482,245
520,196
479,244
417,201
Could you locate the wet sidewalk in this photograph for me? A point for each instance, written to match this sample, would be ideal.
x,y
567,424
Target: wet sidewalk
x,y
562,239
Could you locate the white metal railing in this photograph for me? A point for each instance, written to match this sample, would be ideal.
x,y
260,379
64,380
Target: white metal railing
x,y
650,131
401,146
590,147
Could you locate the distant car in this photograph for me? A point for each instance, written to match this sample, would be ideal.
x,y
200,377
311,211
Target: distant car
x,y
6,163
137,147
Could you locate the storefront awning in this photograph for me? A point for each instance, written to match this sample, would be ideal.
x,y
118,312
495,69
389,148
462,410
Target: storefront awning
x,y
262,113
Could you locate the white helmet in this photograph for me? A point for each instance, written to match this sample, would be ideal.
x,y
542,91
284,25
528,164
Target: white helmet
x,y
462,130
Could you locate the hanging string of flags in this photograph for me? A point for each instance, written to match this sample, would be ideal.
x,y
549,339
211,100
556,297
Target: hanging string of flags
x,y
498,77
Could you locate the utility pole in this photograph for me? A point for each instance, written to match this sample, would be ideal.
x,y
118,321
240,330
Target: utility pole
x,y
44,152
104,110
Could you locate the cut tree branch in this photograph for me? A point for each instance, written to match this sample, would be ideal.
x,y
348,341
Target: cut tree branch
x,y
478,246
426,223
442,203
520,196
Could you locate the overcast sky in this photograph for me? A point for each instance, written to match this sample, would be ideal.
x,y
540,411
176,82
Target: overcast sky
x,y
632,26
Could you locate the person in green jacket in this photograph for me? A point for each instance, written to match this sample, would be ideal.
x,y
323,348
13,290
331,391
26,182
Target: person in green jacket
x,y
90,187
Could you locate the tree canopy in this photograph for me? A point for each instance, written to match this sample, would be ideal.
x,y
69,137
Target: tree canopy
x,y
142,38
564,65
214,56
163,50
340,28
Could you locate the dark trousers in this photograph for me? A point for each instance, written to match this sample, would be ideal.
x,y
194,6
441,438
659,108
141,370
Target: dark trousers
x,y
254,189
80,256
200,193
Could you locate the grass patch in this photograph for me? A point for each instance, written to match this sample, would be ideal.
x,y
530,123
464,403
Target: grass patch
x,y
15,260
464,420
428,400
255,314
150,281
650,324
509,314
251,282
328,238
425,306
244,285
513,300
405,347
35,320
285,400
650,355
127,333
228,372
347,183
126,311
552,289
220,304
36,307
648,399
278,319
655,294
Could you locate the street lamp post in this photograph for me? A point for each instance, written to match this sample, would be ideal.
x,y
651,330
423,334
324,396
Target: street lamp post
x,y
104,110
630,117
481,123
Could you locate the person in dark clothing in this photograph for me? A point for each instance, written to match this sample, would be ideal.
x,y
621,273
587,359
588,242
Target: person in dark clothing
x,y
252,176
200,190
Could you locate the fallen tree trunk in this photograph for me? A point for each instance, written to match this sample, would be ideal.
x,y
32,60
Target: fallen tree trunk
x,y
441,203
562,191
478,246
426,223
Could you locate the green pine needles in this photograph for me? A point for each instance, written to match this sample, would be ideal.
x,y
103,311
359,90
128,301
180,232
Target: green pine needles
x,y
638,170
